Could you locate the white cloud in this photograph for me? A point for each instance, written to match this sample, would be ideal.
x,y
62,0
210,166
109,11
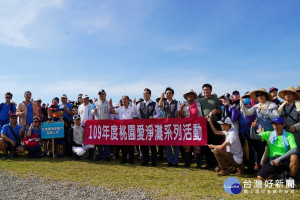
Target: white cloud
x,y
18,20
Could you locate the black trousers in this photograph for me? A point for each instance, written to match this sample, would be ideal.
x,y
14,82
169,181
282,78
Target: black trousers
x,y
211,139
127,150
145,152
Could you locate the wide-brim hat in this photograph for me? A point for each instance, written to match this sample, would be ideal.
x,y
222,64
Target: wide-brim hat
x,y
188,92
289,89
253,94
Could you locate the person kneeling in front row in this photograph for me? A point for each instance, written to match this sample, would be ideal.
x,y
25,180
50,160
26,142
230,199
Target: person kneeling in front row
x,y
78,148
233,156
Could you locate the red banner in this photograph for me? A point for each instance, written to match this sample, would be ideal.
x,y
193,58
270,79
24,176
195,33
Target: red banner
x,y
164,132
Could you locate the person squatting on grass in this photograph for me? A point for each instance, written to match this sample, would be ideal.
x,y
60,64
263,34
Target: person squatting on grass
x,y
77,133
233,156
11,135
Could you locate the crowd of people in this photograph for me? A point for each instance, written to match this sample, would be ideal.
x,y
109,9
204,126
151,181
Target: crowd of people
x,y
246,133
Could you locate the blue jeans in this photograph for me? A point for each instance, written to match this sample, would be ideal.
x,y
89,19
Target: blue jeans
x,y
103,151
172,158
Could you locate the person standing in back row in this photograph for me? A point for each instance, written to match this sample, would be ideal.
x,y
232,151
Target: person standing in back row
x,y
27,110
6,109
171,108
148,110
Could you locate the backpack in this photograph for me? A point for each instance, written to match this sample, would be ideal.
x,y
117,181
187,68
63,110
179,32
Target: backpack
x,y
11,107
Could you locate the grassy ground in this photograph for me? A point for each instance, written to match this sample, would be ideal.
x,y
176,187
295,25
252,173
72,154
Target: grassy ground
x,y
161,182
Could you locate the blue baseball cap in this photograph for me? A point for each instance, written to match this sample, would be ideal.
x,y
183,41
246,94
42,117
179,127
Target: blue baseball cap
x,y
278,120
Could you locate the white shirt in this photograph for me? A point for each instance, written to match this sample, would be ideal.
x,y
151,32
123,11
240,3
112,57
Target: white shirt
x,y
234,146
85,112
126,113
156,113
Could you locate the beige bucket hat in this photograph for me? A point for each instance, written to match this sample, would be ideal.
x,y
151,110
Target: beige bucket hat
x,y
188,92
253,94
289,89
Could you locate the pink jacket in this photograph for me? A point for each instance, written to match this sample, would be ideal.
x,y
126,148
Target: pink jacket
x,y
22,108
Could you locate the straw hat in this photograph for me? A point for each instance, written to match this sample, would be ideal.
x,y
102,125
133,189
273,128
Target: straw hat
x,y
188,92
298,88
289,89
253,94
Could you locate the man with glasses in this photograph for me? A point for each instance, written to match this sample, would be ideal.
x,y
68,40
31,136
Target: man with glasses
x,y
148,110
27,110
171,108
6,108
11,135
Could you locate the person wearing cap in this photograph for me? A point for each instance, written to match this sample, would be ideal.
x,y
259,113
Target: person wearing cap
x,y
191,108
210,106
85,109
126,111
102,110
34,133
265,112
148,109
282,153
290,111
11,135
244,132
233,156
26,110
66,108
170,108
235,98
273,91
78,147
6,108
41,110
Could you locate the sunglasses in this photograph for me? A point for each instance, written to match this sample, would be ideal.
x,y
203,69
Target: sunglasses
x,y
8,97
259,94
35,121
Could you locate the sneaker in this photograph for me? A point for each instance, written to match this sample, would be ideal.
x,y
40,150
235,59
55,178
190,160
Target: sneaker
x,y
5,157
176,165
153,164
256,167
223,172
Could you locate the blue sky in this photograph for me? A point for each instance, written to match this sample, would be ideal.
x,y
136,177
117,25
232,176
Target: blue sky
x,y
57,46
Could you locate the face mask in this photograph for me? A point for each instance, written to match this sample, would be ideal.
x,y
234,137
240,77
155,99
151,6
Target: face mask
x,y
246,101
